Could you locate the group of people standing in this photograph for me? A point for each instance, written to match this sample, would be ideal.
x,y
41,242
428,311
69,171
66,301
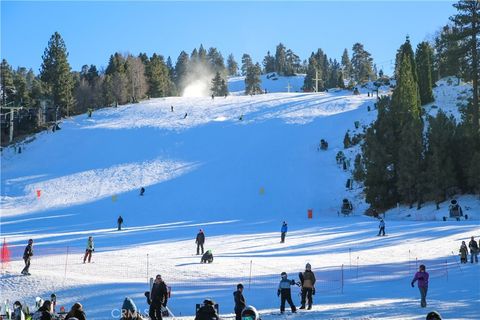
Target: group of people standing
x,y
474,249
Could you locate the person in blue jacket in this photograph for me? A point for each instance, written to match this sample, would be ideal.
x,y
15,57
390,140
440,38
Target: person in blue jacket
x,y
283,231
285,294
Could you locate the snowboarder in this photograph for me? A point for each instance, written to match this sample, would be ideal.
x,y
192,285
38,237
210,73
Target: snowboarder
x,y
185,116
171,108
472,245
88,251
207,257
283,232
241,118
207,311
200,240
463,253
213,96
307,279
76,312
285,294
27,255
158,298
90,111
323,144
119,222
240,303
422,277
381,227
142,191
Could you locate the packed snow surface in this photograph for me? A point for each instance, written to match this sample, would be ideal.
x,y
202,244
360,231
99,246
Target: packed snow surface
x,y
235,167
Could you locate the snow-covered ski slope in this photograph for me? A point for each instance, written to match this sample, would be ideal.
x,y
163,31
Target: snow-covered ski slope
x,y
237,180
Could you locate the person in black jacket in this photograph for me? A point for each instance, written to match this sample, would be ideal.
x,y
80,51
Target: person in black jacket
x,y
207,257
44,312
27,255
240,303
119,222
200,240
207,311
76,312
159,297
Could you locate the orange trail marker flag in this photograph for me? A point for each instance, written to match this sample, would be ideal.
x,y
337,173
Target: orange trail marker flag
x,y
5,254
39,193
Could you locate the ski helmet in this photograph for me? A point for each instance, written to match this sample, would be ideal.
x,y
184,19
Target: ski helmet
x,y
453,201
250,313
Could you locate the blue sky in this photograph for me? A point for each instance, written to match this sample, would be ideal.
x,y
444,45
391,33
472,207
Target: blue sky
x,y
94,30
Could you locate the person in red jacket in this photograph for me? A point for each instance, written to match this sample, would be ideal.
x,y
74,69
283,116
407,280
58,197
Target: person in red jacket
x,y
422,277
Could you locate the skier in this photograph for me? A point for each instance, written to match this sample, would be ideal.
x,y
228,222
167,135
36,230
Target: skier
x,y
119,222
213,96
207,257
472,245
200,240
285,294
422,277
240,303
27,255
307,279
185,116
76,312
158,297
171,108
381,227
142,191
207,311
44,312
241,118
283,232
88,251
463,253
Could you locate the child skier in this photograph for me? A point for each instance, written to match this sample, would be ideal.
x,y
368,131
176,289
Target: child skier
x,y
285,294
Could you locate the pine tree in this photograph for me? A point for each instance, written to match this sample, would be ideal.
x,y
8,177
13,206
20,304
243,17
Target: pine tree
x,y
280,59
246,63
202,54
439,157
8,88
232,65
346,65
424,72
217,85
467,20
252,79
359,170
347,142
269,63
181,70
408,126
379,155
362,63
215,61
55,73
158,77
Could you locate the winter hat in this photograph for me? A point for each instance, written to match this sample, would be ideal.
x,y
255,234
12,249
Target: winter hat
x,y
308,266
209,301
239,286
434,315
283,274
453,201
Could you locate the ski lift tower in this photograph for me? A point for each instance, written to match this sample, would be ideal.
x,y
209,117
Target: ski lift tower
x,y
12,114
316,80
288,87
